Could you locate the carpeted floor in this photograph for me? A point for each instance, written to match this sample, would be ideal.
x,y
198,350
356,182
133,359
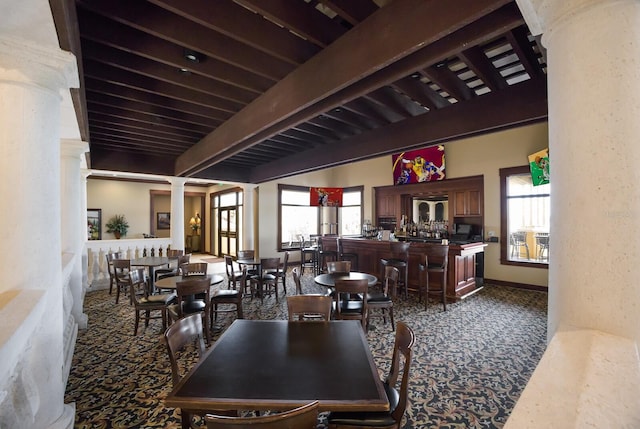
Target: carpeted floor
x,y
471,362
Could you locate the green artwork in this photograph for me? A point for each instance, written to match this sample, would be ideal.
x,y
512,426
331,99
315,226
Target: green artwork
x,y
539,165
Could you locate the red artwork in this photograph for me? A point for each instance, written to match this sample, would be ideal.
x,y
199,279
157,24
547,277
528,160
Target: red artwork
x,y
421,165
326,197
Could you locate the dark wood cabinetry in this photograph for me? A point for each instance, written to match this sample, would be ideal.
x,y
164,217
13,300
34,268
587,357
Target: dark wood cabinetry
x,y
465,196
461,273
467,202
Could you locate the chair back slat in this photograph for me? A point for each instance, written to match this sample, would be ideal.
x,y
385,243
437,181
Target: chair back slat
x,y
309,307
305,417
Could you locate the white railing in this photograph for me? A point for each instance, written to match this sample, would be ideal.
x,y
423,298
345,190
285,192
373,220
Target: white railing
x,y
97,274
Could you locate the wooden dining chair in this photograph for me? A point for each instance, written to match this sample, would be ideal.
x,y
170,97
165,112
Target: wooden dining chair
x,y
144,301
184,331
230,296
193,296
392,419
265,281
295,273
173,266
334,267
110,257
195,269
436,264
350,301
304,417
281,273
182,334
233,273
382,300
121,270
309,307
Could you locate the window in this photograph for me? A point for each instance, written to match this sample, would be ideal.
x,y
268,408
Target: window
x,y
350,214
526,214
296,217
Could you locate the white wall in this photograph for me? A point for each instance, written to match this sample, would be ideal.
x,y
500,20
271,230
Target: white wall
x,y
483,155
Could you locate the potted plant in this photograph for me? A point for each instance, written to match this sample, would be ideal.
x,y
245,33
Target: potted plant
x,y
117,225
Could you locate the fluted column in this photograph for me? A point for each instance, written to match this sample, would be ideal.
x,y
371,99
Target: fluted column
x,y
593,57
31,379
249,214
177,212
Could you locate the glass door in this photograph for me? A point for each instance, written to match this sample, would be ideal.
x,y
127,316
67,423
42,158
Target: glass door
x,y
228,230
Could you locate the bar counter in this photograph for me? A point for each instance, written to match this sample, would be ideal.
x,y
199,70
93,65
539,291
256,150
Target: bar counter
x,y
461,272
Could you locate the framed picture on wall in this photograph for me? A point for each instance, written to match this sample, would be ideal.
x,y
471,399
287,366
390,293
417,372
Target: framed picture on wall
x,y
163,220
94,224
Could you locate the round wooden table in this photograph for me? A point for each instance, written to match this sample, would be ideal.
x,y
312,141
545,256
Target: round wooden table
x,y
171,282
329,280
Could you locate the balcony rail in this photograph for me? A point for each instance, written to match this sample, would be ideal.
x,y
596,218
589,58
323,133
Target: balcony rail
x,y
97,274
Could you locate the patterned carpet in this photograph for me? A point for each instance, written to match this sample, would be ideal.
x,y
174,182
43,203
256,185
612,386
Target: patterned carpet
x,y
471,362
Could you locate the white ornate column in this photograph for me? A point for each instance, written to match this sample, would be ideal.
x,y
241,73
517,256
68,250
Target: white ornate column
x,y
177,212
73,229
249,213
31,374
589,375
593,56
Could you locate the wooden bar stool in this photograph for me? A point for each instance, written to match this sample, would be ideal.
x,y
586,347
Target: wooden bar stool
x,y
437,263
399,259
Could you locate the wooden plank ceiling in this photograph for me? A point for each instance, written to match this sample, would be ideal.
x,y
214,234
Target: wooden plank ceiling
x,y
255,90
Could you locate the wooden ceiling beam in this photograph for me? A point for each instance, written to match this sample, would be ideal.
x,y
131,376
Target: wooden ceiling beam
x,y
162,72
359,54
155,110
112,74
448,81
238,23
522,47
148,118
478,62
95,87
124,38
300,18
352,11
144,131
103,118
188,34
517,105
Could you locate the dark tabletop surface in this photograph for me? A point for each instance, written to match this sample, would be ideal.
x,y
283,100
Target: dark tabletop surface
x,y
275,364
329,280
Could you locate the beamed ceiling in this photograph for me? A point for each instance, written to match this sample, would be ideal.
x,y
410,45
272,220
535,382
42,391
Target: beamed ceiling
x,y
282,87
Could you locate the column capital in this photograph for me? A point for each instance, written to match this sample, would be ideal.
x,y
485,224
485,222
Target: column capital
x,y
73,147
177,181
543,16
26,62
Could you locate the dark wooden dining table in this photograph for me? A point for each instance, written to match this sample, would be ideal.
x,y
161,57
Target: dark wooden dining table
x,y
172,281
151,262
279,365
329,280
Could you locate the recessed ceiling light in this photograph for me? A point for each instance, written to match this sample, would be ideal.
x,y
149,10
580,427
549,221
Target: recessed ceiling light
x,y
193,56
184,71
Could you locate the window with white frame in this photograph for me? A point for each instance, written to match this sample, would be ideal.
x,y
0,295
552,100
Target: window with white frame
x,y
297,217
350,214
526,214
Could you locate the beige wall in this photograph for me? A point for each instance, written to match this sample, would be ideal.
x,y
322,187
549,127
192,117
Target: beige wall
x,y
483,155
134,201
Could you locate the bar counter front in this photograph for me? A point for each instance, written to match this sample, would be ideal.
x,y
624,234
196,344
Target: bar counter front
x,y
461,272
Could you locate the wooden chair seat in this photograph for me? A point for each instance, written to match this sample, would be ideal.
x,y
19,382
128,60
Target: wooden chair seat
x,y
143,301
402,348
382,300
229,296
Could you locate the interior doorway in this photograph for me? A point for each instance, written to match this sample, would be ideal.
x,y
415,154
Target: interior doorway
x,y
194,208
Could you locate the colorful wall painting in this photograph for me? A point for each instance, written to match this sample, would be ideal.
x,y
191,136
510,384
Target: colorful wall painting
x,y
328,197
539,165
420,165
